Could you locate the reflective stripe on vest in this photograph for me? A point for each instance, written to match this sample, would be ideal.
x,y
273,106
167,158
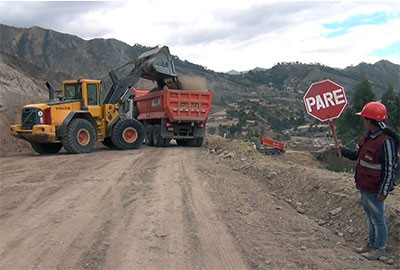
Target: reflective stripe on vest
x,y
368,165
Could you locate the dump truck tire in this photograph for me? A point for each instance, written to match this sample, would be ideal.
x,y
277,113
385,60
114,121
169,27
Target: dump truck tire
x,y
149,135
181,142
157,139
166,142
46,148
127,134
80,137
108,143
199,142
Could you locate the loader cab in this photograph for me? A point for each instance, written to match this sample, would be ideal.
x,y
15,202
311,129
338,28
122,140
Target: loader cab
x,y
87,91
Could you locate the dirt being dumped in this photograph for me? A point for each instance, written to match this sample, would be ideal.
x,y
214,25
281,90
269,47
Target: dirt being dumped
x,y
193,83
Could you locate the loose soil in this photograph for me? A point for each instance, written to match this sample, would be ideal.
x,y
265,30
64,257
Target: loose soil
x,y
222,206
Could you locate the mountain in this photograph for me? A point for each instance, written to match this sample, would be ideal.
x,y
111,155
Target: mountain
x,y
233,72
41,54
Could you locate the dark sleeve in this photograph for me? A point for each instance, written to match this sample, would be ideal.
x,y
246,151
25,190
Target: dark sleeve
x,y
388,159
348,153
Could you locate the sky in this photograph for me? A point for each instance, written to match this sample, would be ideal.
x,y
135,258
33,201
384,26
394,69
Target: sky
x,y
226,35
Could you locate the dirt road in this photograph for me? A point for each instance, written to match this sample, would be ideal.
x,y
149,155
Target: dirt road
x,y
153,208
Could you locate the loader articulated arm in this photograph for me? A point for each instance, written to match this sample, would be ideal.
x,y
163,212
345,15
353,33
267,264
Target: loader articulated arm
x,y
155,65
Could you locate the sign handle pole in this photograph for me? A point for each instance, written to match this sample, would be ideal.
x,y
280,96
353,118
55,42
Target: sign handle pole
x,y
335,138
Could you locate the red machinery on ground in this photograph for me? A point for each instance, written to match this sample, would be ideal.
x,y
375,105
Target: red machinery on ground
x,y
271,147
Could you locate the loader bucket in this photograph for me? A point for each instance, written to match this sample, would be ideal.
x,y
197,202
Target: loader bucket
x,y
157,64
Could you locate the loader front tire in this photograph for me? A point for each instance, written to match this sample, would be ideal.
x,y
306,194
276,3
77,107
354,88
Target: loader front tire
x,y
127,134
80,137
46,148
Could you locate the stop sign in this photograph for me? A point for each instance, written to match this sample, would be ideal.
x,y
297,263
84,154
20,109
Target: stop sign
x,y
325,100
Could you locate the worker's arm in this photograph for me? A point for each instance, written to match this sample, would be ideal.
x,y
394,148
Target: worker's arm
x,y
388,161
348,153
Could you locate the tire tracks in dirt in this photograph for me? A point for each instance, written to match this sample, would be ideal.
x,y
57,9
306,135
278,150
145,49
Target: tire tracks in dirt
x,y
218,249
49,223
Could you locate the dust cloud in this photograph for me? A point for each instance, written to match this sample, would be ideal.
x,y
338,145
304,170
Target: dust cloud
x,y
193,83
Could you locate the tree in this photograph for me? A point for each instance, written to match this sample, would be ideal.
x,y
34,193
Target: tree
x,y
391,100
350,126
233,129
242,118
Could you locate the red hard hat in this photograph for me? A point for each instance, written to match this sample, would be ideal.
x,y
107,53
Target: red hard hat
x,y
374,110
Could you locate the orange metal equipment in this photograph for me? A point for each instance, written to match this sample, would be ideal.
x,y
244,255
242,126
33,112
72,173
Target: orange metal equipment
x,y
173,114
271,147
176,105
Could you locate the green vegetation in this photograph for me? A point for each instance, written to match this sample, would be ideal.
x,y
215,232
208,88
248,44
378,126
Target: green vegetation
x,y
391,99
350,126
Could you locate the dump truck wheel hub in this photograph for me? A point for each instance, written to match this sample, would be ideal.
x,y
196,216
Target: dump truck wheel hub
x,y
129,135
83,136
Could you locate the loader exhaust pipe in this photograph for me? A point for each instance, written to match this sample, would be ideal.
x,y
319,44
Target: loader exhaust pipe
x,y
51,91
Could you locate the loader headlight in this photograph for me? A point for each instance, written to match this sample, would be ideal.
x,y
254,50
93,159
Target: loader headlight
x,y
40,114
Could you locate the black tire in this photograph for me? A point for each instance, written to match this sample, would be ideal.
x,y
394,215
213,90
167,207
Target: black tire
x,y
157,139
166,142
194,142
108,143
149,135
46,148
80,137
191,142
127,134
181,142
199,142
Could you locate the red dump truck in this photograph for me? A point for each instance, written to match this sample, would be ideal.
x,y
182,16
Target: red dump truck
x,y
173,114
271,147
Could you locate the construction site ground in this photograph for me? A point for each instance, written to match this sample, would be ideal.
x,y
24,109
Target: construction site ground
x,y
221,206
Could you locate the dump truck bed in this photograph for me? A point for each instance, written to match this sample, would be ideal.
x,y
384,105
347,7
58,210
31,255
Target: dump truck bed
x,y
272,143
174,105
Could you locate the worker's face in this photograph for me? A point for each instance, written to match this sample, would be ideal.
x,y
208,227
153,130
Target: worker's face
x,y
367,124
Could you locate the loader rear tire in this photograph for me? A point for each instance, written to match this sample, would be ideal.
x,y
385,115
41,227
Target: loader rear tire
x,y
127,134
80,137
46,148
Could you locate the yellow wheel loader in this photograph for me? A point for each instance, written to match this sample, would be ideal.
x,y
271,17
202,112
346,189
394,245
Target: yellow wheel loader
x,y
78,118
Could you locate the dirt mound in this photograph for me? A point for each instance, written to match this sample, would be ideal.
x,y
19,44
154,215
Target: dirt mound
x,y
8,144
329,198
331,162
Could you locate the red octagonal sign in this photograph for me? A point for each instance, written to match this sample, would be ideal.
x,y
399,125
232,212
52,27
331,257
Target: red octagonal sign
x,y
325,100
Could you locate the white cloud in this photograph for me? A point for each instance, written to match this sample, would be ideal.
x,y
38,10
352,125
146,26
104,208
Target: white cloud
x,y
222,36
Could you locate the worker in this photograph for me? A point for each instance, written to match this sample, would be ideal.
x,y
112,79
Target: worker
x,y
377,158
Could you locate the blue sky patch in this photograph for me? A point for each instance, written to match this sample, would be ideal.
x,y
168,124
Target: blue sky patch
x,y
393,49
343,27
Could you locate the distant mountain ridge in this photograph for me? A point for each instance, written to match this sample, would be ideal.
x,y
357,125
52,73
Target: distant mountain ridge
x,y
70,56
